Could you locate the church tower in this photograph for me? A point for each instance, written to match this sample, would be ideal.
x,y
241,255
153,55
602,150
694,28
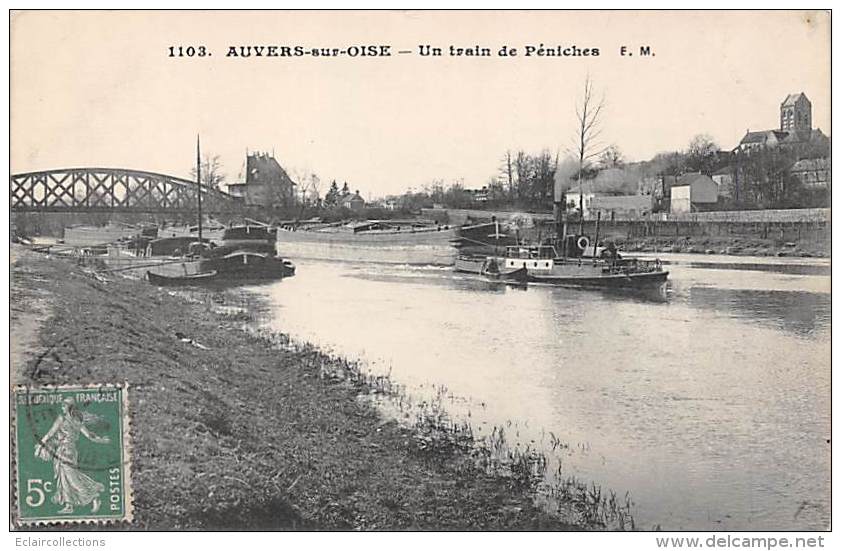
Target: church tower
x,y
796,113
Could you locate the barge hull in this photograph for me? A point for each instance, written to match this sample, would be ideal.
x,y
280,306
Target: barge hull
x,y
650,280
420,248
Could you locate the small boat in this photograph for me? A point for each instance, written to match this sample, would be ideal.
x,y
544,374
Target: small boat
x,y
169,281
489,266
545,266
188,272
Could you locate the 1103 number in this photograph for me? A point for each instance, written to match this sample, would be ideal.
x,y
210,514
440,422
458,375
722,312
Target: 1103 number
x,y
188,51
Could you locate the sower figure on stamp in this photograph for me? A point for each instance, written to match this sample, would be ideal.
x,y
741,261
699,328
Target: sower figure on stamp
x,y
60,445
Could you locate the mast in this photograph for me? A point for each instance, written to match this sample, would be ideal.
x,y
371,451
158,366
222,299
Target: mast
x,y
496,234
198,180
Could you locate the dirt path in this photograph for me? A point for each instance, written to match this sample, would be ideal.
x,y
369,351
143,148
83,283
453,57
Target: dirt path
x,y
29,307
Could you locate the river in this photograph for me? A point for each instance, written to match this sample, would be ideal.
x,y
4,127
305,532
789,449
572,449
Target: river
x,y
710,407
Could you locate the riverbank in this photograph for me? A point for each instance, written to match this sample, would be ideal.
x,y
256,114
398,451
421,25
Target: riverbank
x,y
733,246
232,432
793,232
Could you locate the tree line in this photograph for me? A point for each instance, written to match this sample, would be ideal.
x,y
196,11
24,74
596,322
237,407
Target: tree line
x,y
527,180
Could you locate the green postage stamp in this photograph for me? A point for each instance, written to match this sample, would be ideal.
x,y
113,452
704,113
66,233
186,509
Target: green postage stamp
x,y
72,454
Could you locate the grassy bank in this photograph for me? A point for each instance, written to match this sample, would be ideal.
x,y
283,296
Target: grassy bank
x,y
695,239
735,246
234,430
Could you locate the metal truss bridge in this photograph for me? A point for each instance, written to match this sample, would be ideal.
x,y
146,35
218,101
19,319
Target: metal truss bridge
x,y
112,190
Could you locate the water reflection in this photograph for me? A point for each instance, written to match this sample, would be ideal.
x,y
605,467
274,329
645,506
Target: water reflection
x,y
793,269
801,313
447,280
653,296
709,419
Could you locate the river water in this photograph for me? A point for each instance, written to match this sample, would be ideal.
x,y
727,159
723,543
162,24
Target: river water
x,y
710,406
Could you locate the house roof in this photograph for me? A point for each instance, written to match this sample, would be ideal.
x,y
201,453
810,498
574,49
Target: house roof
x,y
791,99
352,197
724,170
802,136
690,178
762,136
261,168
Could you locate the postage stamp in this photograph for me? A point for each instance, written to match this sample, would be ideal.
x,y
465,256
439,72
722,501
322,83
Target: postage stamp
x,y
72,454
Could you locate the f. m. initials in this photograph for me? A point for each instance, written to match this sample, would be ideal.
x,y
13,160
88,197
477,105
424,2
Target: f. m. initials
x,y
644,51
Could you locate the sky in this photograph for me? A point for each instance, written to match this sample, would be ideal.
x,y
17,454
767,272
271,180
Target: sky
x,y
98,89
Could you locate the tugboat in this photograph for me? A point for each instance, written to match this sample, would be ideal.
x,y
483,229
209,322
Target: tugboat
x,y
585,265
544,265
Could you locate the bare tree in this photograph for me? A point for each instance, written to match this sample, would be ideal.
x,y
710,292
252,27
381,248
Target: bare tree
x,y
702,155
211,172
507,171
523,165
611,157
543,177
309,185
314,188
586,144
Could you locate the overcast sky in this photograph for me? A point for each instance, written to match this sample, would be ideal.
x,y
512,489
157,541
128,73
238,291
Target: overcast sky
x,y
97,89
